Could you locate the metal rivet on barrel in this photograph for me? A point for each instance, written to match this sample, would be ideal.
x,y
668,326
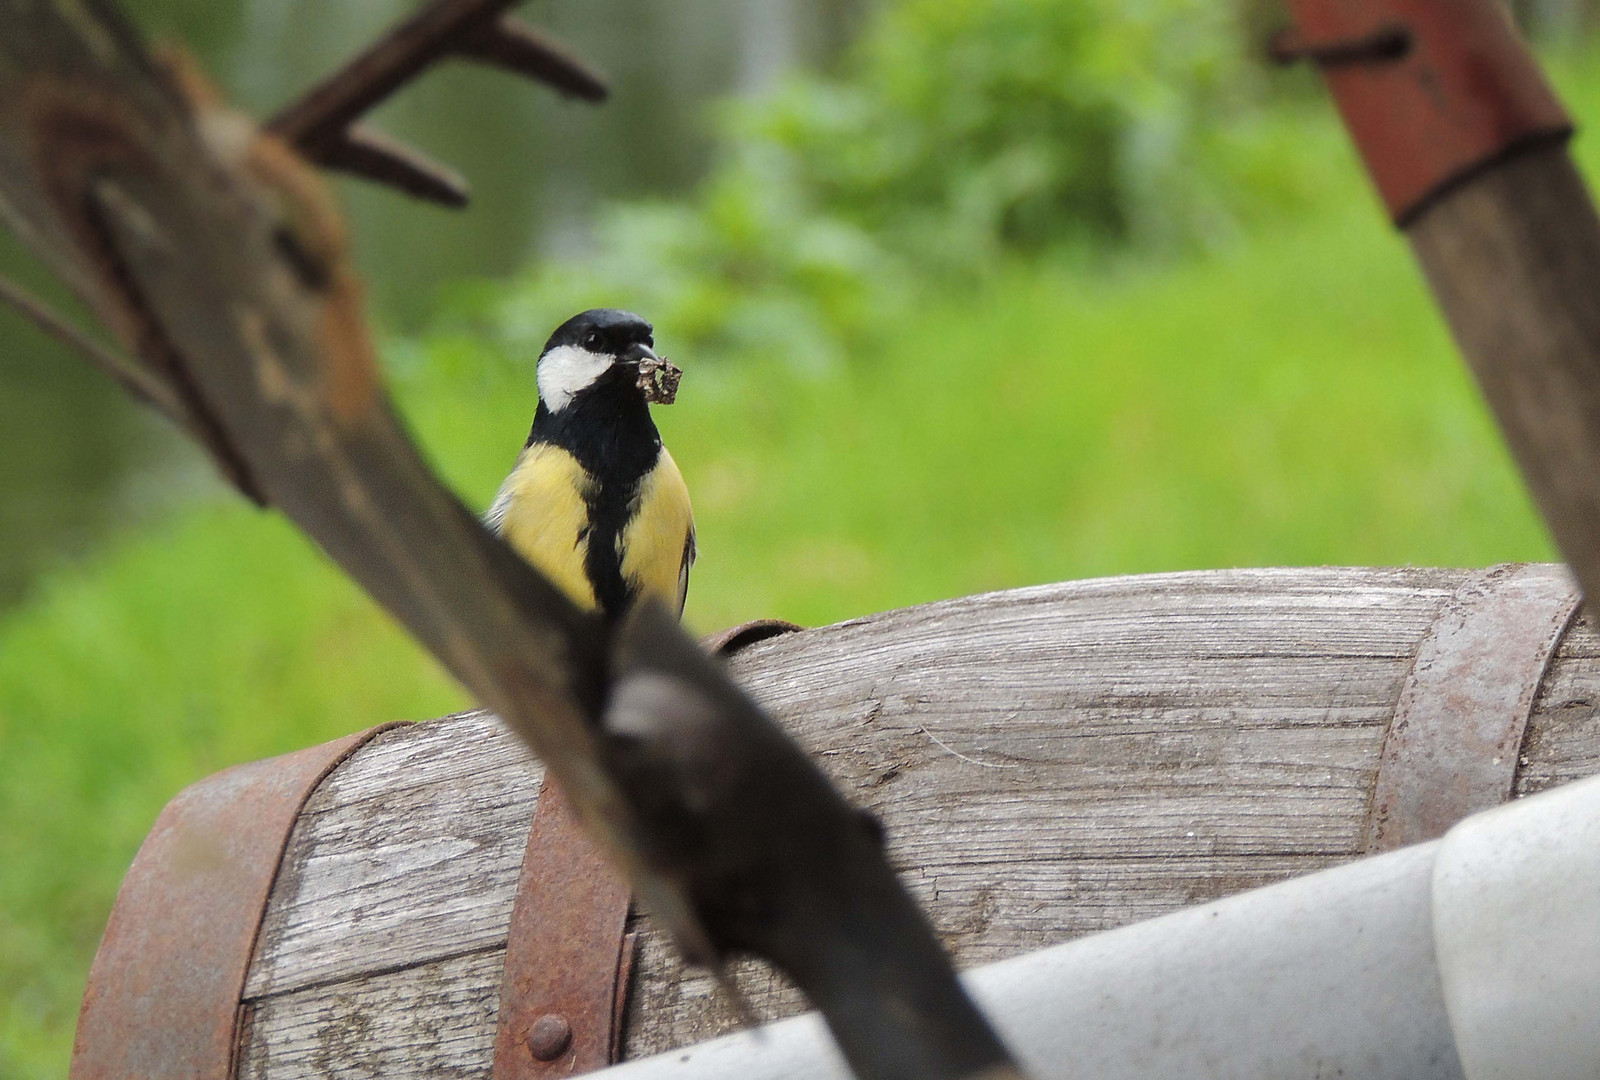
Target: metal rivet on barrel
x,y
549,1036
568,953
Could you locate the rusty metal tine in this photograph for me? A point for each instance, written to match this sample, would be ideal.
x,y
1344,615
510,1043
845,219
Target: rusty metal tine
x,y
475,29
512,44
319,118
375,156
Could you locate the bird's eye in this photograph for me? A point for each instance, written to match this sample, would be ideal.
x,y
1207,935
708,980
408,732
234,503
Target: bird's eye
x,y
592,341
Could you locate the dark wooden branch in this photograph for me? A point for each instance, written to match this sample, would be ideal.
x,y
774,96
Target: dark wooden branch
x,y
320,123
216,255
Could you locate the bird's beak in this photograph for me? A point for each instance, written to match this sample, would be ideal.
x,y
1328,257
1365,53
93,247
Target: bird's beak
x,y
637,355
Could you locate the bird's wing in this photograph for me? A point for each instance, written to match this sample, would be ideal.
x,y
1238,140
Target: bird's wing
x,y
495,516
689,552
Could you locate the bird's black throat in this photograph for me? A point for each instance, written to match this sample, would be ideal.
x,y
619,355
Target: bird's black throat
x,y
607,428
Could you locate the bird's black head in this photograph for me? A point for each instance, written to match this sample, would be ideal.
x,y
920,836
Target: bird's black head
x,y
598,348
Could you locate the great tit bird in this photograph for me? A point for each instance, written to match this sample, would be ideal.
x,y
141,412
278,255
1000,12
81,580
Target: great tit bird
x,y
594,501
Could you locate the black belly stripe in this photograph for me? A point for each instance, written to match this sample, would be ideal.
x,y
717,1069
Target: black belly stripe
x,y
608,429
610,511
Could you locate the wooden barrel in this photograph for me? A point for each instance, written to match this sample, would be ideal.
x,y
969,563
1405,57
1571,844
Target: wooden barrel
x,y
1048,762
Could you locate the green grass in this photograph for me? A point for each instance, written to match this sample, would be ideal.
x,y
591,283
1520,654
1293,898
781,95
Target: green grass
x,y
216,638
1291,401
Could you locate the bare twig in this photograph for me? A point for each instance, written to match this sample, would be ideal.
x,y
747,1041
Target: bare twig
x,y
126,371
320,123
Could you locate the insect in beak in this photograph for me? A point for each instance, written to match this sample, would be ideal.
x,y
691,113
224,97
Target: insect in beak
x,y
658,376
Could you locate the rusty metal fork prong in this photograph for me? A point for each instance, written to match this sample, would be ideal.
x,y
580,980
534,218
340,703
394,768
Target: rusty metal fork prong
x,y
320,123
374,156
512,44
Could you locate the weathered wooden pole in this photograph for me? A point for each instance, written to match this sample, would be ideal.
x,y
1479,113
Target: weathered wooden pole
x,y
1467,146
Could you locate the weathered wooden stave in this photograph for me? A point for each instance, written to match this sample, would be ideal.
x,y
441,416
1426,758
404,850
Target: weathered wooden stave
x,y
1139,744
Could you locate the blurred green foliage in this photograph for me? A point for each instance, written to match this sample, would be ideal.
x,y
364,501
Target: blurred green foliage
x,y
965,127
958,133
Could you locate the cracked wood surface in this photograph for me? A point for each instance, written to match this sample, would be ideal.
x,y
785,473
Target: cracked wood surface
x,y
1048,762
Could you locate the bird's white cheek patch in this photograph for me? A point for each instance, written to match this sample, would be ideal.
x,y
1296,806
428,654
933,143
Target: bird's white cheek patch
x,y
565,370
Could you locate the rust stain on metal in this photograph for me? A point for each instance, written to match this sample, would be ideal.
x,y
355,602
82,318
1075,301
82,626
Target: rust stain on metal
x,y
619,1001
163,995
568,955
1452,746
1460,95
732,640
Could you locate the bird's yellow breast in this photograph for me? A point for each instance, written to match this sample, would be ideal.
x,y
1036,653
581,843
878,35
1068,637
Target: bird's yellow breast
x,y
543,512
654,544
545,518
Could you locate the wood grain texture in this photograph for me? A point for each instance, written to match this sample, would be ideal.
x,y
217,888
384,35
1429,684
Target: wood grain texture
x,y
408,853
1048,762
1563,739
434,1020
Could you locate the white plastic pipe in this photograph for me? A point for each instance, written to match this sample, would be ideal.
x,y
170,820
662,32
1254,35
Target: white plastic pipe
x,y
1516,928
1476,956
